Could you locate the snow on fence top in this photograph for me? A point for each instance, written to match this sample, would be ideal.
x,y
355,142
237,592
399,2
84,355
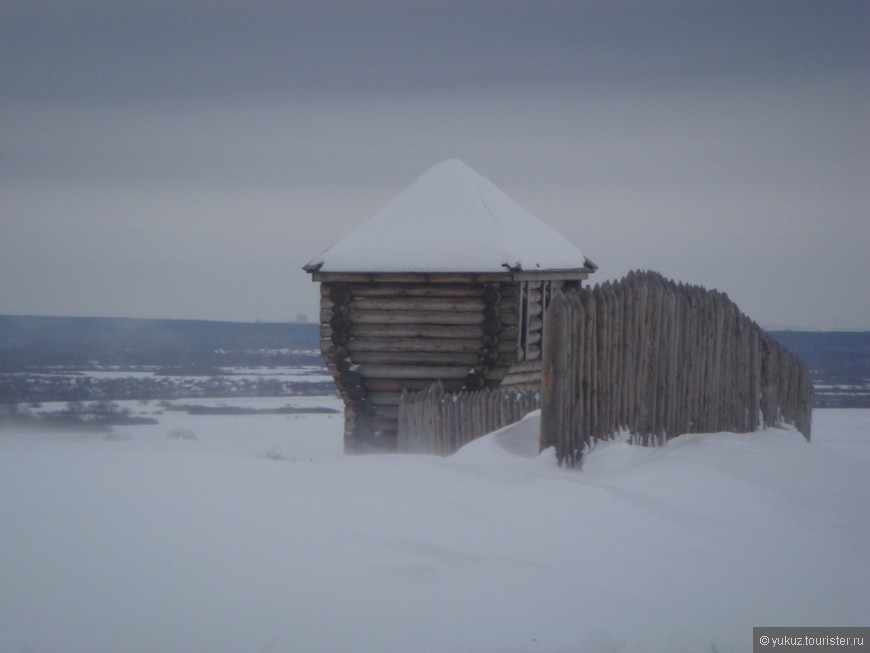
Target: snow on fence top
x,y
451,219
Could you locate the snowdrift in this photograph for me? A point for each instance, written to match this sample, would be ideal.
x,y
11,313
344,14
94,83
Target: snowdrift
x,y
259,535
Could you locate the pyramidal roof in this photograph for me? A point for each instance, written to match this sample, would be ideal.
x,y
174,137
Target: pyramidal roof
x,y
450,220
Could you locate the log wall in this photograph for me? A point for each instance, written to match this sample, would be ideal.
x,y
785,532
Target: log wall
x,y
382,337
659,359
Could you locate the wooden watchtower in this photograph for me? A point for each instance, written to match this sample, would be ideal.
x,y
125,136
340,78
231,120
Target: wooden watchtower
x,y
448,282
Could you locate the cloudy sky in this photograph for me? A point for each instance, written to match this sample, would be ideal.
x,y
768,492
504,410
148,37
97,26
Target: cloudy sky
x,y
185,158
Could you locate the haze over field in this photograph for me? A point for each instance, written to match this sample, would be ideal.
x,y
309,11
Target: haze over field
x,y
184,160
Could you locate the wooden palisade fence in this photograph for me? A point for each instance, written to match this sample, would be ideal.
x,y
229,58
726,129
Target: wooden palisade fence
x,y
658,359
434,421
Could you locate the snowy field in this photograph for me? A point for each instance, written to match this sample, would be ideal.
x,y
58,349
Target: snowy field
x,y
255,533
296,373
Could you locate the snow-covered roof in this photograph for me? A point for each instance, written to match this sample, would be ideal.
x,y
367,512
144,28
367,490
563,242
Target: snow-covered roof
x,y
451,219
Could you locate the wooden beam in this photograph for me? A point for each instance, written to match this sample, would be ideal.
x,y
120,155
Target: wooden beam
x,y
359,316
409,277
385,398
466,359
525,379
399,372
411,385
394,344
424,305
550,275
410,290
416,331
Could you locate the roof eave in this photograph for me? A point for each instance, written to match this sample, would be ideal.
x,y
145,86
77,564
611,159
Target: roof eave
x,y
570,274
346,276
374,276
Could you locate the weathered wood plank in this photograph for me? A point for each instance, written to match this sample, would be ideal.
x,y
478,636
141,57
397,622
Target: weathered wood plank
x,y
388,415
552,275
360,316
410,290
554,378
466,359
381,371
425,305
385,398
526,366
430,345
461,332
521,379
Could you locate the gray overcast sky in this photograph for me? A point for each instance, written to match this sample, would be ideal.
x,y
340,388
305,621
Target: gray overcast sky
x,y
185,158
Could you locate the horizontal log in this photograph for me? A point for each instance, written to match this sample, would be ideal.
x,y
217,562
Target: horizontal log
x,y
325,317
387,414
370,348
468,359
409,385
505,313
496,374
410,290
433,345
508,290
360,316
522,384
513,379
385,398
552,275
370,337
470,301
526,366
423,304
536,309
416,331
399,372
507,320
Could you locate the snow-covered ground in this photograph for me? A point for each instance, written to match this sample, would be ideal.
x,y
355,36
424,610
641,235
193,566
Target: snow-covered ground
x,y
309,373
256,533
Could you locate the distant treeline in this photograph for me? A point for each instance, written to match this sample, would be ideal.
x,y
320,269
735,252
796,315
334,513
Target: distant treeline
x,y
838,354
838,362
28,342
